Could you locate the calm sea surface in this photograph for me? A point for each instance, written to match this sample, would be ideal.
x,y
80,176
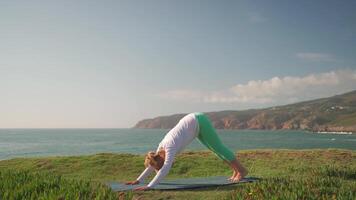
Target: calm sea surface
x,y
45,142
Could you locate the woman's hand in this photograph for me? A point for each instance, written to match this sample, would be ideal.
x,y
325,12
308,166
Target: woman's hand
x,y
132,182
142,188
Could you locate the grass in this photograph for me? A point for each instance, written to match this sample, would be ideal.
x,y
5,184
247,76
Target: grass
x,y
286,174
345,120
18,185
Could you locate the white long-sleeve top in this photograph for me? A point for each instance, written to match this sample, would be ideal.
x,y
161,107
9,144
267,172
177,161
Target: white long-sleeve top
x,y
174,142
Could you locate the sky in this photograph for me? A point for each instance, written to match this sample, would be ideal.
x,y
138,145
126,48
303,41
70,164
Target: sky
x,y
109,64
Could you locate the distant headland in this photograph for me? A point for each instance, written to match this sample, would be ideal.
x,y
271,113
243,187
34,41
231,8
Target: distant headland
x,y
327,115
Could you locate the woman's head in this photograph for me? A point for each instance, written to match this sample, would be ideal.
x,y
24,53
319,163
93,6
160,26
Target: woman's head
x,y
154,159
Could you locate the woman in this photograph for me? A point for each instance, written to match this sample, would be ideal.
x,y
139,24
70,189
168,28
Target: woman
x,y
194,125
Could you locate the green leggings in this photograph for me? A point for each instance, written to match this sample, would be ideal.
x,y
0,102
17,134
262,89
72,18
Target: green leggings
x,y
208,137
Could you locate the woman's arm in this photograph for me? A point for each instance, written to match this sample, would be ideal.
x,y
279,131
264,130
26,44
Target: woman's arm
x,y
169,157
142,177
145,173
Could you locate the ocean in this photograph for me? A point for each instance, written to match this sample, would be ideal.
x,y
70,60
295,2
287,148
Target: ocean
x,y
63,142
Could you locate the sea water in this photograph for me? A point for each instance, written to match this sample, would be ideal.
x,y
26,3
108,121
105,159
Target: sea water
x,y
62,142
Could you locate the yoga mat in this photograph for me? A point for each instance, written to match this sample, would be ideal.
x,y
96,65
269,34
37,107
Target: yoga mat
x,y
183,183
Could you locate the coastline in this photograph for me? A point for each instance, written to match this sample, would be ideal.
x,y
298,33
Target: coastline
x,y
59,142
335,132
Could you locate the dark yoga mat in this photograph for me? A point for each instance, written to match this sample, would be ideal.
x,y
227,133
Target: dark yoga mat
x,y
184,183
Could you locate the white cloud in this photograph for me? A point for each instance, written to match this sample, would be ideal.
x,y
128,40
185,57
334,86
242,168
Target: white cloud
x,y
317,57
277,90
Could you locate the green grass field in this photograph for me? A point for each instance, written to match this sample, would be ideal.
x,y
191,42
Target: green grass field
x,y
286,174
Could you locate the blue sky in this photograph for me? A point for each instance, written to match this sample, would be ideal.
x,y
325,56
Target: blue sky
x,y
111,63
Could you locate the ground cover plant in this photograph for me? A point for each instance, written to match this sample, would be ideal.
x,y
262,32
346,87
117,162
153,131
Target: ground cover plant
x,y
286,174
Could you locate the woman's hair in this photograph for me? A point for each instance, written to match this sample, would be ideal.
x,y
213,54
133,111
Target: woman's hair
x,y
154,159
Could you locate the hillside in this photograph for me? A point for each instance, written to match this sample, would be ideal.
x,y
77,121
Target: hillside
x,y
337,113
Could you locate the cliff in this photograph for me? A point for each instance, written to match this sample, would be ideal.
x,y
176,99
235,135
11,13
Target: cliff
x,y
337,113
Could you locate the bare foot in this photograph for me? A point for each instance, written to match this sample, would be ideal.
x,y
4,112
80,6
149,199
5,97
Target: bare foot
x,y
240,175
233,176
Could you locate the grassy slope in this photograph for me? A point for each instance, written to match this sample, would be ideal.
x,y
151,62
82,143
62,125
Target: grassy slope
x,y
345,120
338,167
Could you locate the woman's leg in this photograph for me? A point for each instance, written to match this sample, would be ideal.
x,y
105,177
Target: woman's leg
x,y
208,137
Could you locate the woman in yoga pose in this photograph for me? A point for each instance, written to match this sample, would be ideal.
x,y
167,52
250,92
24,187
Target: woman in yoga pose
x,y
194,125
